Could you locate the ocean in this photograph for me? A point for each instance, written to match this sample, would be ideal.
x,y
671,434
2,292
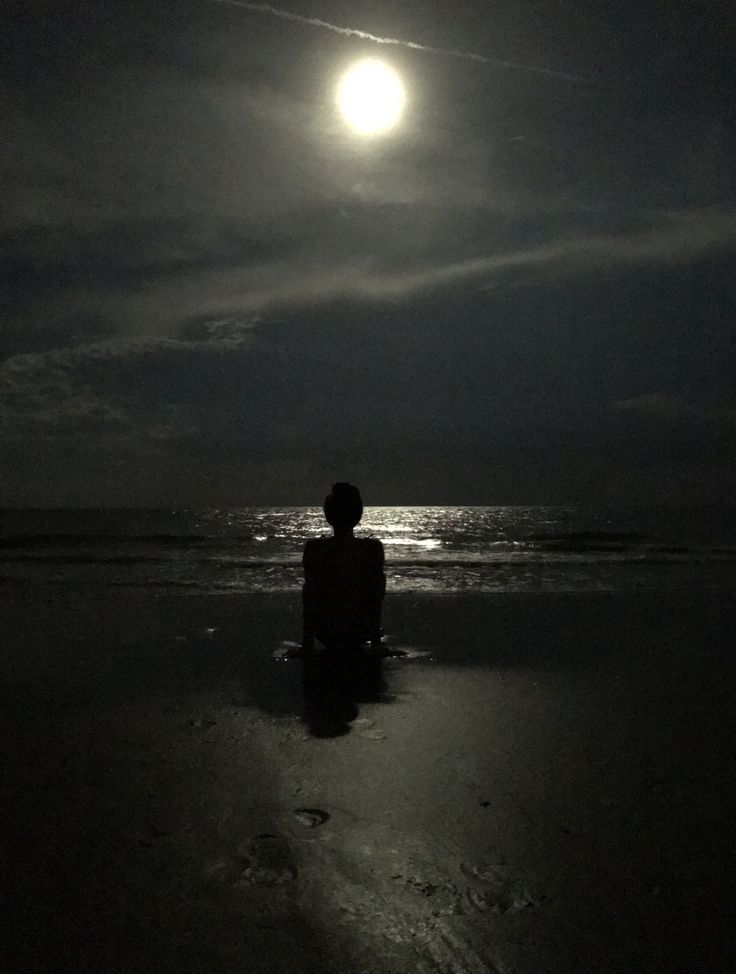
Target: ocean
x,y
441,550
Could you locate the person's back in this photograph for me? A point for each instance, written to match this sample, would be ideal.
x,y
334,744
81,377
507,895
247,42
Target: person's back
x,y
344,583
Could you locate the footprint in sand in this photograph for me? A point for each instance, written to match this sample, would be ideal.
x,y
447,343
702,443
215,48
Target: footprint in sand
x,y
311,818
365,727
490,890
266,861
202,722
443,896
373,734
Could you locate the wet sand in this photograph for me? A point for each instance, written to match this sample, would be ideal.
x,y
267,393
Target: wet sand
x,y
549,790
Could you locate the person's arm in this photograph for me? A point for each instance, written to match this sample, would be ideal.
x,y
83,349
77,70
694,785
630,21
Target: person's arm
x,y
308,598
378,590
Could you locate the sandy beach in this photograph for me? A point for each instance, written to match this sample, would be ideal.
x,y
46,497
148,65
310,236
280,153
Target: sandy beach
x,y
549,789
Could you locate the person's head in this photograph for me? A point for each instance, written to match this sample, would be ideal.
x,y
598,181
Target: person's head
x,y
343,507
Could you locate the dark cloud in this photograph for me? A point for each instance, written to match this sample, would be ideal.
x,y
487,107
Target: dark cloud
x,y
151,388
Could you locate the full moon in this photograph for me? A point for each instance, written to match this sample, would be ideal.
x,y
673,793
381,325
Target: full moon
x,y
371,97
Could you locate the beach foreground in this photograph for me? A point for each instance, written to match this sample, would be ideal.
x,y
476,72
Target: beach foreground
x,y
548,790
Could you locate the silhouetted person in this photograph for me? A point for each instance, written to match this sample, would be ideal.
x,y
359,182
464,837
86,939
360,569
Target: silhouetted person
x,y
344,583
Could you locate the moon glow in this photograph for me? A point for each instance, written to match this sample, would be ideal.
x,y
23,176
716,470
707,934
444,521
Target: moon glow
x,y
371,97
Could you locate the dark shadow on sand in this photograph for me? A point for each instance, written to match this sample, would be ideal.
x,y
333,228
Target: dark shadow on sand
x,y
334,684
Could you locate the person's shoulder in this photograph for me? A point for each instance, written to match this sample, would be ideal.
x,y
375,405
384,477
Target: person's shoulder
x,y
372,547
313,547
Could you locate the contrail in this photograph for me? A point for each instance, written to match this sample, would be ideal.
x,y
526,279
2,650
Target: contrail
x,y
271,11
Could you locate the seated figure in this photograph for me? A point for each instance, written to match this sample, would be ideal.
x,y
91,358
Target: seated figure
x,y
344,582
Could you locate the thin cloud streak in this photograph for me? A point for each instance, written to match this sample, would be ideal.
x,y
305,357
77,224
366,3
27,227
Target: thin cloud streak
x,y
271,11
685,238
160,307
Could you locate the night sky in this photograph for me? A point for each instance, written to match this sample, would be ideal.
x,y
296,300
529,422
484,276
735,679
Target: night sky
x,y
215,292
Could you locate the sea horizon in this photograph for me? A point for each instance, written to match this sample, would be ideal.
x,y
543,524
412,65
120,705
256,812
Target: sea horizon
x,y
440,549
